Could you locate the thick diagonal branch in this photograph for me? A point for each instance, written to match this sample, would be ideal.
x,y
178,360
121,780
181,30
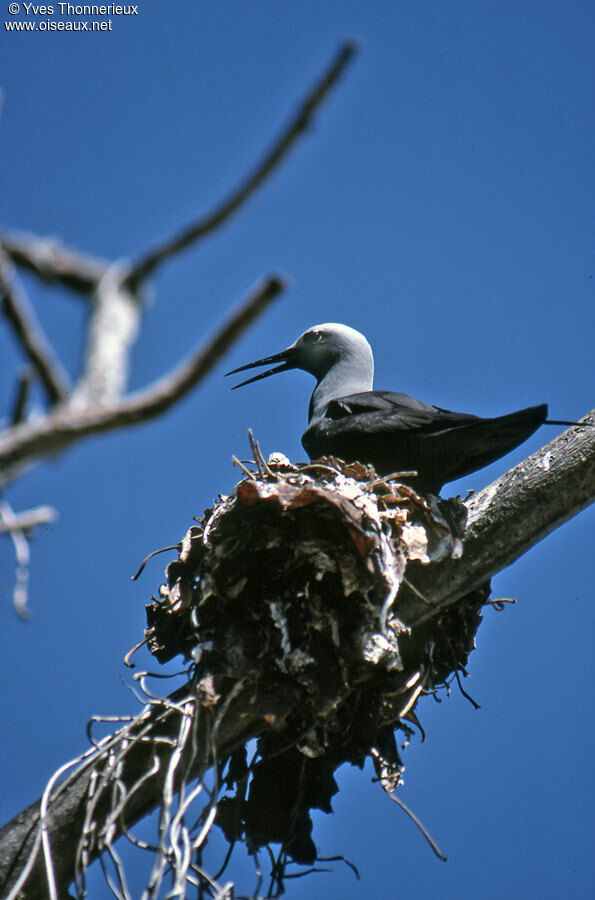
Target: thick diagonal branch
x,y
54,263
212,220
25,443
510,516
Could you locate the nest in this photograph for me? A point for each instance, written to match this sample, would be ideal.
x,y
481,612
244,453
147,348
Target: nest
x,y
292,584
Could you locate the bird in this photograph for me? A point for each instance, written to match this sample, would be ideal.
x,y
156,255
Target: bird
x,y
392,432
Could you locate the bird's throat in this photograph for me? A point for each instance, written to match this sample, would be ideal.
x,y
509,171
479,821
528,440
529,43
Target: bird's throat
x,y
342,380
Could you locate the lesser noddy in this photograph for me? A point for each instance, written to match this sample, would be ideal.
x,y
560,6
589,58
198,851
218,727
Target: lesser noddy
x,y
391,431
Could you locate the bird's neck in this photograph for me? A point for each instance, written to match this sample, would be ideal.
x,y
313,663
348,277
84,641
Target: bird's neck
x,y
342,380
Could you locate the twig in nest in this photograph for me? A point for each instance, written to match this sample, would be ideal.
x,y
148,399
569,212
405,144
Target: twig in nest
x,y
243,468
260,461
148,557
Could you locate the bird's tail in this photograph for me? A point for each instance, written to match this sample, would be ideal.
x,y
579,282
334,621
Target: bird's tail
x,y
479,442
564,422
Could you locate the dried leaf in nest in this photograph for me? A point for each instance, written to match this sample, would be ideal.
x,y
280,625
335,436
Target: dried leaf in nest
x,y
293,580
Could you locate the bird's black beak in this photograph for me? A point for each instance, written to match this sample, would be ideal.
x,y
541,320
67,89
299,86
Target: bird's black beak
x,y
287,358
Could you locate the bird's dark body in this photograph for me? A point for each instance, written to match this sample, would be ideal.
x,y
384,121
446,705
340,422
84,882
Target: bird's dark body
x,y
397,433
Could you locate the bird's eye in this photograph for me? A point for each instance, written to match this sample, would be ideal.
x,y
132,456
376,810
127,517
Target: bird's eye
x,y
313,337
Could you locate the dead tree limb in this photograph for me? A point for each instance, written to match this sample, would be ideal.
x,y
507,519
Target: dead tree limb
x,y
21,398
26,521
22,444
147,264
29,334
112,330
97,402
53,263
513,514
19,527
505,520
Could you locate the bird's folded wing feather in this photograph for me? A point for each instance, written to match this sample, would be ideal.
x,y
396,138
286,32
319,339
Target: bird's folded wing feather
x,y
395,412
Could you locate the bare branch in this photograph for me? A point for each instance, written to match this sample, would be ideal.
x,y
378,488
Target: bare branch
x,y
28,331
112,328
52,262
94,404
296,127
19,407
24,521
172,387
16,525
22,444
510,516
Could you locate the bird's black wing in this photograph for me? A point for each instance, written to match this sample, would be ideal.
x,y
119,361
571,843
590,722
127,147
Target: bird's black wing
x,y
397,433
394,412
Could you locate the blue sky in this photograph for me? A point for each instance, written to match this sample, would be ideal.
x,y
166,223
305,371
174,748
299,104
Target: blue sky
x,y
441,204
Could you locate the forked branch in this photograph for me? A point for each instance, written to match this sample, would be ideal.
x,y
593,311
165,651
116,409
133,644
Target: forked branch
x,y
97,401
23,444
53,263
